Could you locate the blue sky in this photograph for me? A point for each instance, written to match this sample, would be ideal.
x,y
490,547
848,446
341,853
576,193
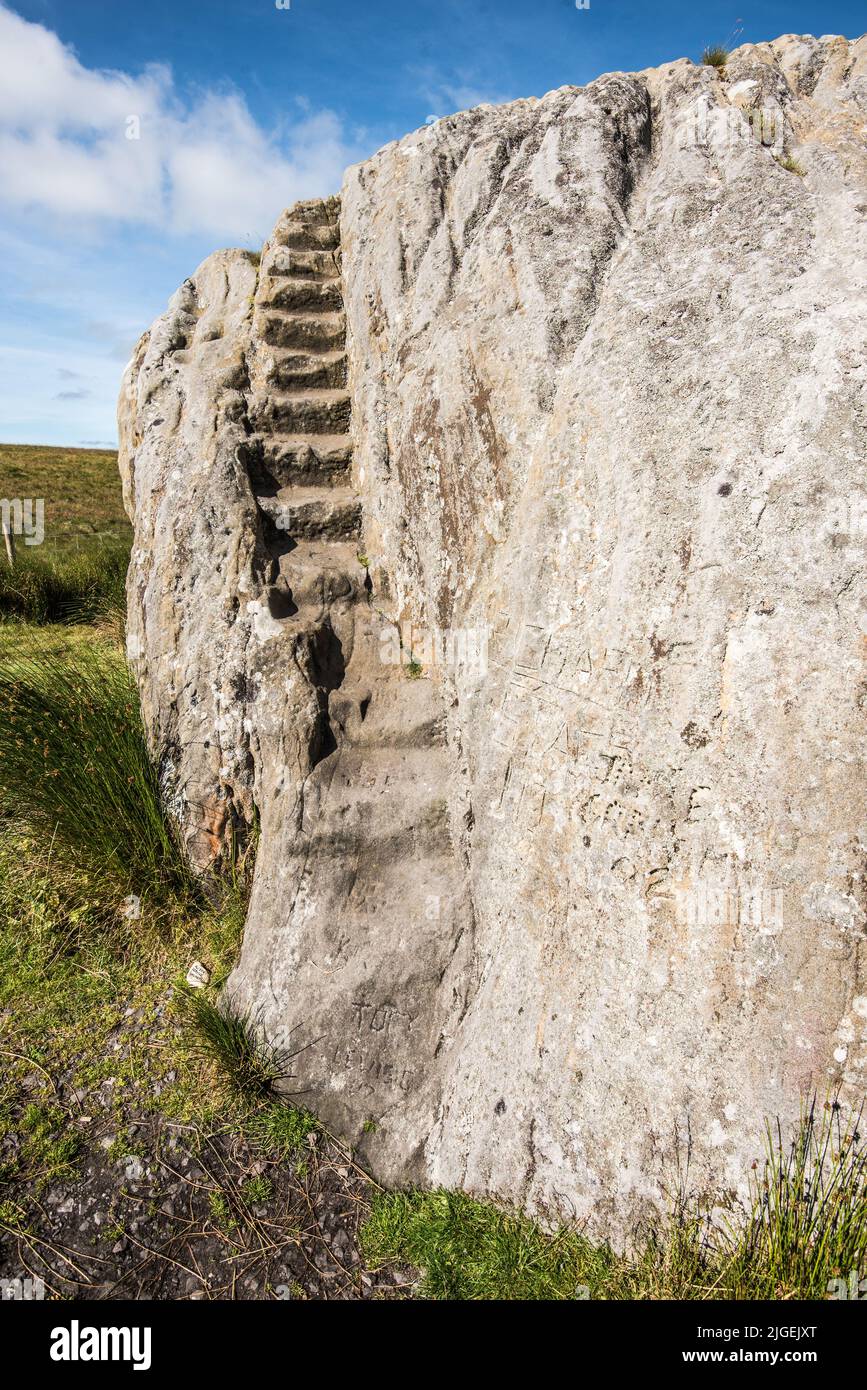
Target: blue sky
x,y
137,136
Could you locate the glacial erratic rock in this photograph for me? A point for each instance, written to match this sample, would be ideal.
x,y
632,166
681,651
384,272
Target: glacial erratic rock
x,y
569,394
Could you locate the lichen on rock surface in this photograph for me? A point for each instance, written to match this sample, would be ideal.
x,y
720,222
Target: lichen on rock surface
x,y
568,394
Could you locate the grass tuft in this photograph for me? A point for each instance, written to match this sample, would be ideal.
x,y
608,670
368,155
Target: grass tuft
x,y
47,1148
257,1190
75,768
808,1223
715,56
791,165
229,1037
281,1131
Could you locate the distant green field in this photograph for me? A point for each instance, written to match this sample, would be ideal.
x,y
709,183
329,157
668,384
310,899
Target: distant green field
x,y
77,573
81,491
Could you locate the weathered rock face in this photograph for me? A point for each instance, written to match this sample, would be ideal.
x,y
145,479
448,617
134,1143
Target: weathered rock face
x,y
271,678
181,420
593,882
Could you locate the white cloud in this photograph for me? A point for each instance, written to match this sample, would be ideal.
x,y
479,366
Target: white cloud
x,y
197,167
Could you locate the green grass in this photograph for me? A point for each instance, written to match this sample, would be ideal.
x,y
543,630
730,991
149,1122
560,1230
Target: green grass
x,y
230,1038
257,1190
221,1212
281,1131
808,1222
75,983
471,1250
81,489
71,587
87,996
715,56
806,1225
791,165
48,1149
81,829
78,572
75,768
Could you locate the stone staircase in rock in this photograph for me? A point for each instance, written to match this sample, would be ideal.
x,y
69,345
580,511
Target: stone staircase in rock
x,y
373,866
300,411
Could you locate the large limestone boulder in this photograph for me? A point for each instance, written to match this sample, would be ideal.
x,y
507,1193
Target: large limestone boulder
x,y
588,890
181,424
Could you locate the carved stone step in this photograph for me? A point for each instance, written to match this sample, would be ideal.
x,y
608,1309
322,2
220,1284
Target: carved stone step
x,y
302,412
325,332
306,460
403,786
336,559
393,711
305,513
305,294
313,575
303,236
300,371
283,260
316,211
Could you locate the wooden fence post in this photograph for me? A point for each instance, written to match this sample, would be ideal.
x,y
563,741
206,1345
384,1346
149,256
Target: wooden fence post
x,y
9,538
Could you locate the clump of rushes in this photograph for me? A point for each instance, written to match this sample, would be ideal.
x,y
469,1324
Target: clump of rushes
x,y
70,588
715,56
413,669
808,1223
231,1039
75,767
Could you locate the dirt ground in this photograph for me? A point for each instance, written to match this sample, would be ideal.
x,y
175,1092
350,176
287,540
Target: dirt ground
x,y
177,1224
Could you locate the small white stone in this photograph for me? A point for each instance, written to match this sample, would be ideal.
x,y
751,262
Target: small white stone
x,y
198,975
